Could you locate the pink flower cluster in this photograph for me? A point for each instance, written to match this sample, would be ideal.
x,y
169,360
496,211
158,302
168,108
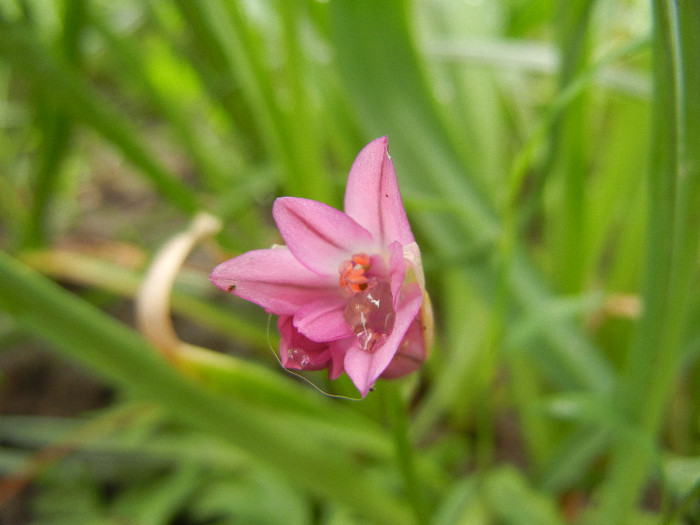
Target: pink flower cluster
x,y
348,287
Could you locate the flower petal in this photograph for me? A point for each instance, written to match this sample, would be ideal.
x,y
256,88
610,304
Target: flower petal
x,y
320,236
339,348
323,320
397,269
273,279
365,367
411,354
298,352
372,195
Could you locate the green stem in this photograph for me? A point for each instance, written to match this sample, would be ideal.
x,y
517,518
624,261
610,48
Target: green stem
x,y
397,411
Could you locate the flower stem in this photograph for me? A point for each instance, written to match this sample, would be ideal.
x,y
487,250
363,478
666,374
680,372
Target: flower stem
x,y
398,419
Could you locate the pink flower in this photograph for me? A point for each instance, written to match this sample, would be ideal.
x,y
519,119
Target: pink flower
x,y
348,287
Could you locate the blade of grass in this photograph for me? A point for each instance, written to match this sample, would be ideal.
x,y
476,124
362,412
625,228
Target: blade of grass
x,y
672,251
570,150
135,69
225,28
56,131
66,90
207,54
298,145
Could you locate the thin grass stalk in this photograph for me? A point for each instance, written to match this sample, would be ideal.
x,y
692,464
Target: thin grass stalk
x,y
220,81
222,30
570,149
397,410
56,131
672,251
232,74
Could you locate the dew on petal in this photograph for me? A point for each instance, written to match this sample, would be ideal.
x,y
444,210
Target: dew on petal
x,y
370,314
298,356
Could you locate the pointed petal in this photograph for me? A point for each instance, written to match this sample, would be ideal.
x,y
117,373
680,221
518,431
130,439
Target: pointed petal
x,y
372,195
397,269
323,320
411,354
365,367
320,236
273,279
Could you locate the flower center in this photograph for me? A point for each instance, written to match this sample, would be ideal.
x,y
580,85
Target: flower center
x,y
370,314
352,273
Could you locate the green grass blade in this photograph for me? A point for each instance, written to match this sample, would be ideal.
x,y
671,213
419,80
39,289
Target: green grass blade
x,y
223,28
141,71
56,131
570,151
672,251
66,91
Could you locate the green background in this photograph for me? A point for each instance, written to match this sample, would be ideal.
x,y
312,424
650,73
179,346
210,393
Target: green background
x,y
549,158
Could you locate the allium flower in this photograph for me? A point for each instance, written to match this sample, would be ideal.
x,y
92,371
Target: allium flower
x,y
348,287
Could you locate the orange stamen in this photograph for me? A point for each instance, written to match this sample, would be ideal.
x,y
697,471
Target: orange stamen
x,y
352,273
362,259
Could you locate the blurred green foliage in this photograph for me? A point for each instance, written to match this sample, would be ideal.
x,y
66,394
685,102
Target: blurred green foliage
x,y
549,158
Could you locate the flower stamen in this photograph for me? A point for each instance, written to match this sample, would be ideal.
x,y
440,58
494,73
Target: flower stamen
x,y
352,273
